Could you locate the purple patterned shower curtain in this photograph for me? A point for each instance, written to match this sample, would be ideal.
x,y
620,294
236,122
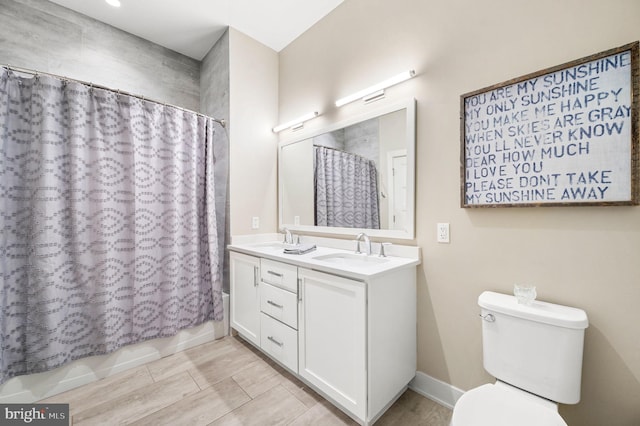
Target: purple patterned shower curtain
x,y
108,222
346,189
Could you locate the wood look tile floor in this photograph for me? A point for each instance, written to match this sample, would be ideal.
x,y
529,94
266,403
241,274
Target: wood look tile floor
x,y
225,382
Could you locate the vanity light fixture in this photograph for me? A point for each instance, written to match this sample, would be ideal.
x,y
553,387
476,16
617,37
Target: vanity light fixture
x,y
114,3
376,91
295,124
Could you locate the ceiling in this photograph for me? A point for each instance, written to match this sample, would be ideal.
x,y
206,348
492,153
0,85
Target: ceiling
x,y
192,27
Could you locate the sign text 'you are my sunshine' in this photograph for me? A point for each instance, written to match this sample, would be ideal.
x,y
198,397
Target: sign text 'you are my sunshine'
x,y
560,137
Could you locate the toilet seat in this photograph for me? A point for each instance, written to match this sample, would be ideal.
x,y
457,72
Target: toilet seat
x,y
500,404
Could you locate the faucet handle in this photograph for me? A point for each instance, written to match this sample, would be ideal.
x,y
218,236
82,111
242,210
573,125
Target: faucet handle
x,y
382,249
288,237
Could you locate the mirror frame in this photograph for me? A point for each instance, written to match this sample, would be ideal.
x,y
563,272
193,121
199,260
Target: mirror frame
x,y
410,122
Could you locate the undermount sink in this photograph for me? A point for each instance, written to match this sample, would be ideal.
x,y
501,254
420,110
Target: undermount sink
x,y
351,259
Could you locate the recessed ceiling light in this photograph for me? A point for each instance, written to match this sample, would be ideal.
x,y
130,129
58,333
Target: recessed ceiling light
x,y
114,3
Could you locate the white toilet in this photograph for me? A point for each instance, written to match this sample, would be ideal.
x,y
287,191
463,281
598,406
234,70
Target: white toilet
x,y
535,353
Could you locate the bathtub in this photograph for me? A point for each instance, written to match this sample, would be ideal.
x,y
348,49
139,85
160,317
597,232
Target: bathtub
x,y
34,387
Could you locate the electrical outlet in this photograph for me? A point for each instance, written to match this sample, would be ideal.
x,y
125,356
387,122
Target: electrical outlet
x,y
255,222
296,220
443,233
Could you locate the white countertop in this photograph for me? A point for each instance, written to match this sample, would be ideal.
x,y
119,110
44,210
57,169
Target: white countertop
x,y
340,262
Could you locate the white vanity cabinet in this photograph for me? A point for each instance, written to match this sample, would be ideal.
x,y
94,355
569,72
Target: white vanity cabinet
x,y
244,274
352,339
357,339
279,312
332,338
264,305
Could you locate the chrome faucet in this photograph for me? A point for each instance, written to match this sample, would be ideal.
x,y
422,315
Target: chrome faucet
x,y
367,242
288,238
382,249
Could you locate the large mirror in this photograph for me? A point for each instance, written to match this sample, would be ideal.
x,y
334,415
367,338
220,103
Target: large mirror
x,y
355,176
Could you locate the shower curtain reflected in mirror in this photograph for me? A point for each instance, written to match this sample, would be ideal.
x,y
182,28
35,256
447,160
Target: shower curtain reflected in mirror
x,y
108,222
346,189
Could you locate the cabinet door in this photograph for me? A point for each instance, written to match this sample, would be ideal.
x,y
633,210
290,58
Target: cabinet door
x,y
332,337
245,297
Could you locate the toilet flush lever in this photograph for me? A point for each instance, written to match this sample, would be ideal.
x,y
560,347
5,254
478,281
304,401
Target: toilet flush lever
x,y
488,317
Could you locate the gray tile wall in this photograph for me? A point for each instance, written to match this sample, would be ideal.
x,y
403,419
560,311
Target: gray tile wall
x,y
214,102
363,139
214,79
41,35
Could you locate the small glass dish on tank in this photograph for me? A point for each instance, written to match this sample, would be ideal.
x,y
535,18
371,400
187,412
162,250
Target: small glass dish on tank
x,y
525,293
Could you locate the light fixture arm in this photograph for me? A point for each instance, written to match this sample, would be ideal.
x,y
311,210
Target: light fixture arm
x,y
377,90
369,94
297,123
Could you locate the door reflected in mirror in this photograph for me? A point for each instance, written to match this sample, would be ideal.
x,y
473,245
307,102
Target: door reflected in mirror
x,y
357,176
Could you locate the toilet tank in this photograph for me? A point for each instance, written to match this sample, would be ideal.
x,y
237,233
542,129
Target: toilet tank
x,y
537,348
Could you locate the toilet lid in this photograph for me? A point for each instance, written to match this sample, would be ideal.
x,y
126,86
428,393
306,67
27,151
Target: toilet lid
x,y
495,405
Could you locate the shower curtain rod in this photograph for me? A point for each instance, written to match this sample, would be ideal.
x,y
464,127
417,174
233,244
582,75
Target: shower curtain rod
x,y
341,150
221,121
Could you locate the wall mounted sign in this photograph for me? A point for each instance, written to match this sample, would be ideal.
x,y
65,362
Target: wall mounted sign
x,y
567,135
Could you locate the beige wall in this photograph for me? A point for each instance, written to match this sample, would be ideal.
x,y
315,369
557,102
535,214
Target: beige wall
x,y
253,104
296,163
585,257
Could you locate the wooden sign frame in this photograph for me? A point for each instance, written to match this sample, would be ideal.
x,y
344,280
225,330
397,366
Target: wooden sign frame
x,y
563,136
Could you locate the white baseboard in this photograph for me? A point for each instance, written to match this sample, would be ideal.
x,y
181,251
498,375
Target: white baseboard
x,y
436,390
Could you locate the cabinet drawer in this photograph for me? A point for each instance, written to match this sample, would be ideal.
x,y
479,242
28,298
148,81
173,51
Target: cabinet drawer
x,y
279,304
279,341
279,274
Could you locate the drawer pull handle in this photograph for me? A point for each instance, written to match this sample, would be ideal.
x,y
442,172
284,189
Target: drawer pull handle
x,y
272,303
275,341
274,273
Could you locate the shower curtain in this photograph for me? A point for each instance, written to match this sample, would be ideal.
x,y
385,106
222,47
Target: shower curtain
x,y
108,222
346,189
